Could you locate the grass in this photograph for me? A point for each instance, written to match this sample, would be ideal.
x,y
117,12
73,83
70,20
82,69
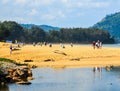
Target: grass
x,y
7,60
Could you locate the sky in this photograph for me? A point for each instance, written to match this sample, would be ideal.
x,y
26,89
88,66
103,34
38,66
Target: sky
x,y
60,13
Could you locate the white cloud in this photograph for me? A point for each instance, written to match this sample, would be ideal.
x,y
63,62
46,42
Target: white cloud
x,y
38,3
57,10
65,1
52,15
80,14
85,3
33,12
5,1
48,17
21,2
96,4
100,4
61,14
17,19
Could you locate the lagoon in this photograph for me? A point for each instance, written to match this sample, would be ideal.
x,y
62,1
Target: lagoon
x,y
70,79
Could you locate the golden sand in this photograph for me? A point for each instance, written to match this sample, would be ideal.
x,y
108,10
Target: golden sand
x,y
55,56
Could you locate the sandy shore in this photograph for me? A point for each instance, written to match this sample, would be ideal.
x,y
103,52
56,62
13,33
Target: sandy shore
x,y
55,56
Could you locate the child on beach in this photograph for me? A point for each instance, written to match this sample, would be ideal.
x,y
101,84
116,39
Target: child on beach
x,y
10,49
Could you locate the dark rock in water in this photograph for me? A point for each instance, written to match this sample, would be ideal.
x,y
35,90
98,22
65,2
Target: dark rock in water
x,y
108,68
110,83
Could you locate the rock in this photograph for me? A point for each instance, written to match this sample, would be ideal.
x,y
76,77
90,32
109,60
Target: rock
x,y
16,79
29,73
2,83
10,73
24,82
30,78
33,66
108,68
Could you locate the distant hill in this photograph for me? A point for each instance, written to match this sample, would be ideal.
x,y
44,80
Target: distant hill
x,y
44,27
110,23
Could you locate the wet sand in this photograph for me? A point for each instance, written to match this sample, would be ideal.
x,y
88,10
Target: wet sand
x,y
58,57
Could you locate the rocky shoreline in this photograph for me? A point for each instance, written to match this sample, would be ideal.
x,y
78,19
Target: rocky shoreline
x,y
13,73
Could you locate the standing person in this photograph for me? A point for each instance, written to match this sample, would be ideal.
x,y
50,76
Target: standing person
x,y
100,44
93,44
50,45
71,44
11,49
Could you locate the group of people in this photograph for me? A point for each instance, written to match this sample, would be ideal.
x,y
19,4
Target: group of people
x,y
97,44
49,44
42,43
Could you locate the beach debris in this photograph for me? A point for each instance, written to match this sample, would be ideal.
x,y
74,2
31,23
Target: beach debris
x,y
47,60
28,60
60,52
33,66
75,59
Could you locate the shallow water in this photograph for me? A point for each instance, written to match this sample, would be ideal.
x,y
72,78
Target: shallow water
x,y
112,45
104,45
70,79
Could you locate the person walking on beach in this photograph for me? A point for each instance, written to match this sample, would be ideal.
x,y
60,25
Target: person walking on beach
x,y
10,49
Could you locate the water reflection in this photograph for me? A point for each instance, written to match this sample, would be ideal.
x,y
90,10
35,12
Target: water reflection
x,y
4,88
97,72
97,69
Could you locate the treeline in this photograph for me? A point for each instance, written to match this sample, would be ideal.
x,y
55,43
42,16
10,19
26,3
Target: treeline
x,y
10,30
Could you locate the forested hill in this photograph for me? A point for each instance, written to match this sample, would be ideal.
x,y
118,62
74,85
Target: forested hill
x,y
10,30
110,23
44,27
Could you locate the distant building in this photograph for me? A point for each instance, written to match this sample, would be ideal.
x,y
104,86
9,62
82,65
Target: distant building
x,y
8,41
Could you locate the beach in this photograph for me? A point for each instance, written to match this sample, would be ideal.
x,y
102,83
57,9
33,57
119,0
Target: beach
x,y
58,57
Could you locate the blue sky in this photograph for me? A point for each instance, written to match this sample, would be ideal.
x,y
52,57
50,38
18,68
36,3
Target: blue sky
x,y
61,13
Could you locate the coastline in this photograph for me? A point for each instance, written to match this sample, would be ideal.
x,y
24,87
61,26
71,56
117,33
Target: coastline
x,y
57,57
